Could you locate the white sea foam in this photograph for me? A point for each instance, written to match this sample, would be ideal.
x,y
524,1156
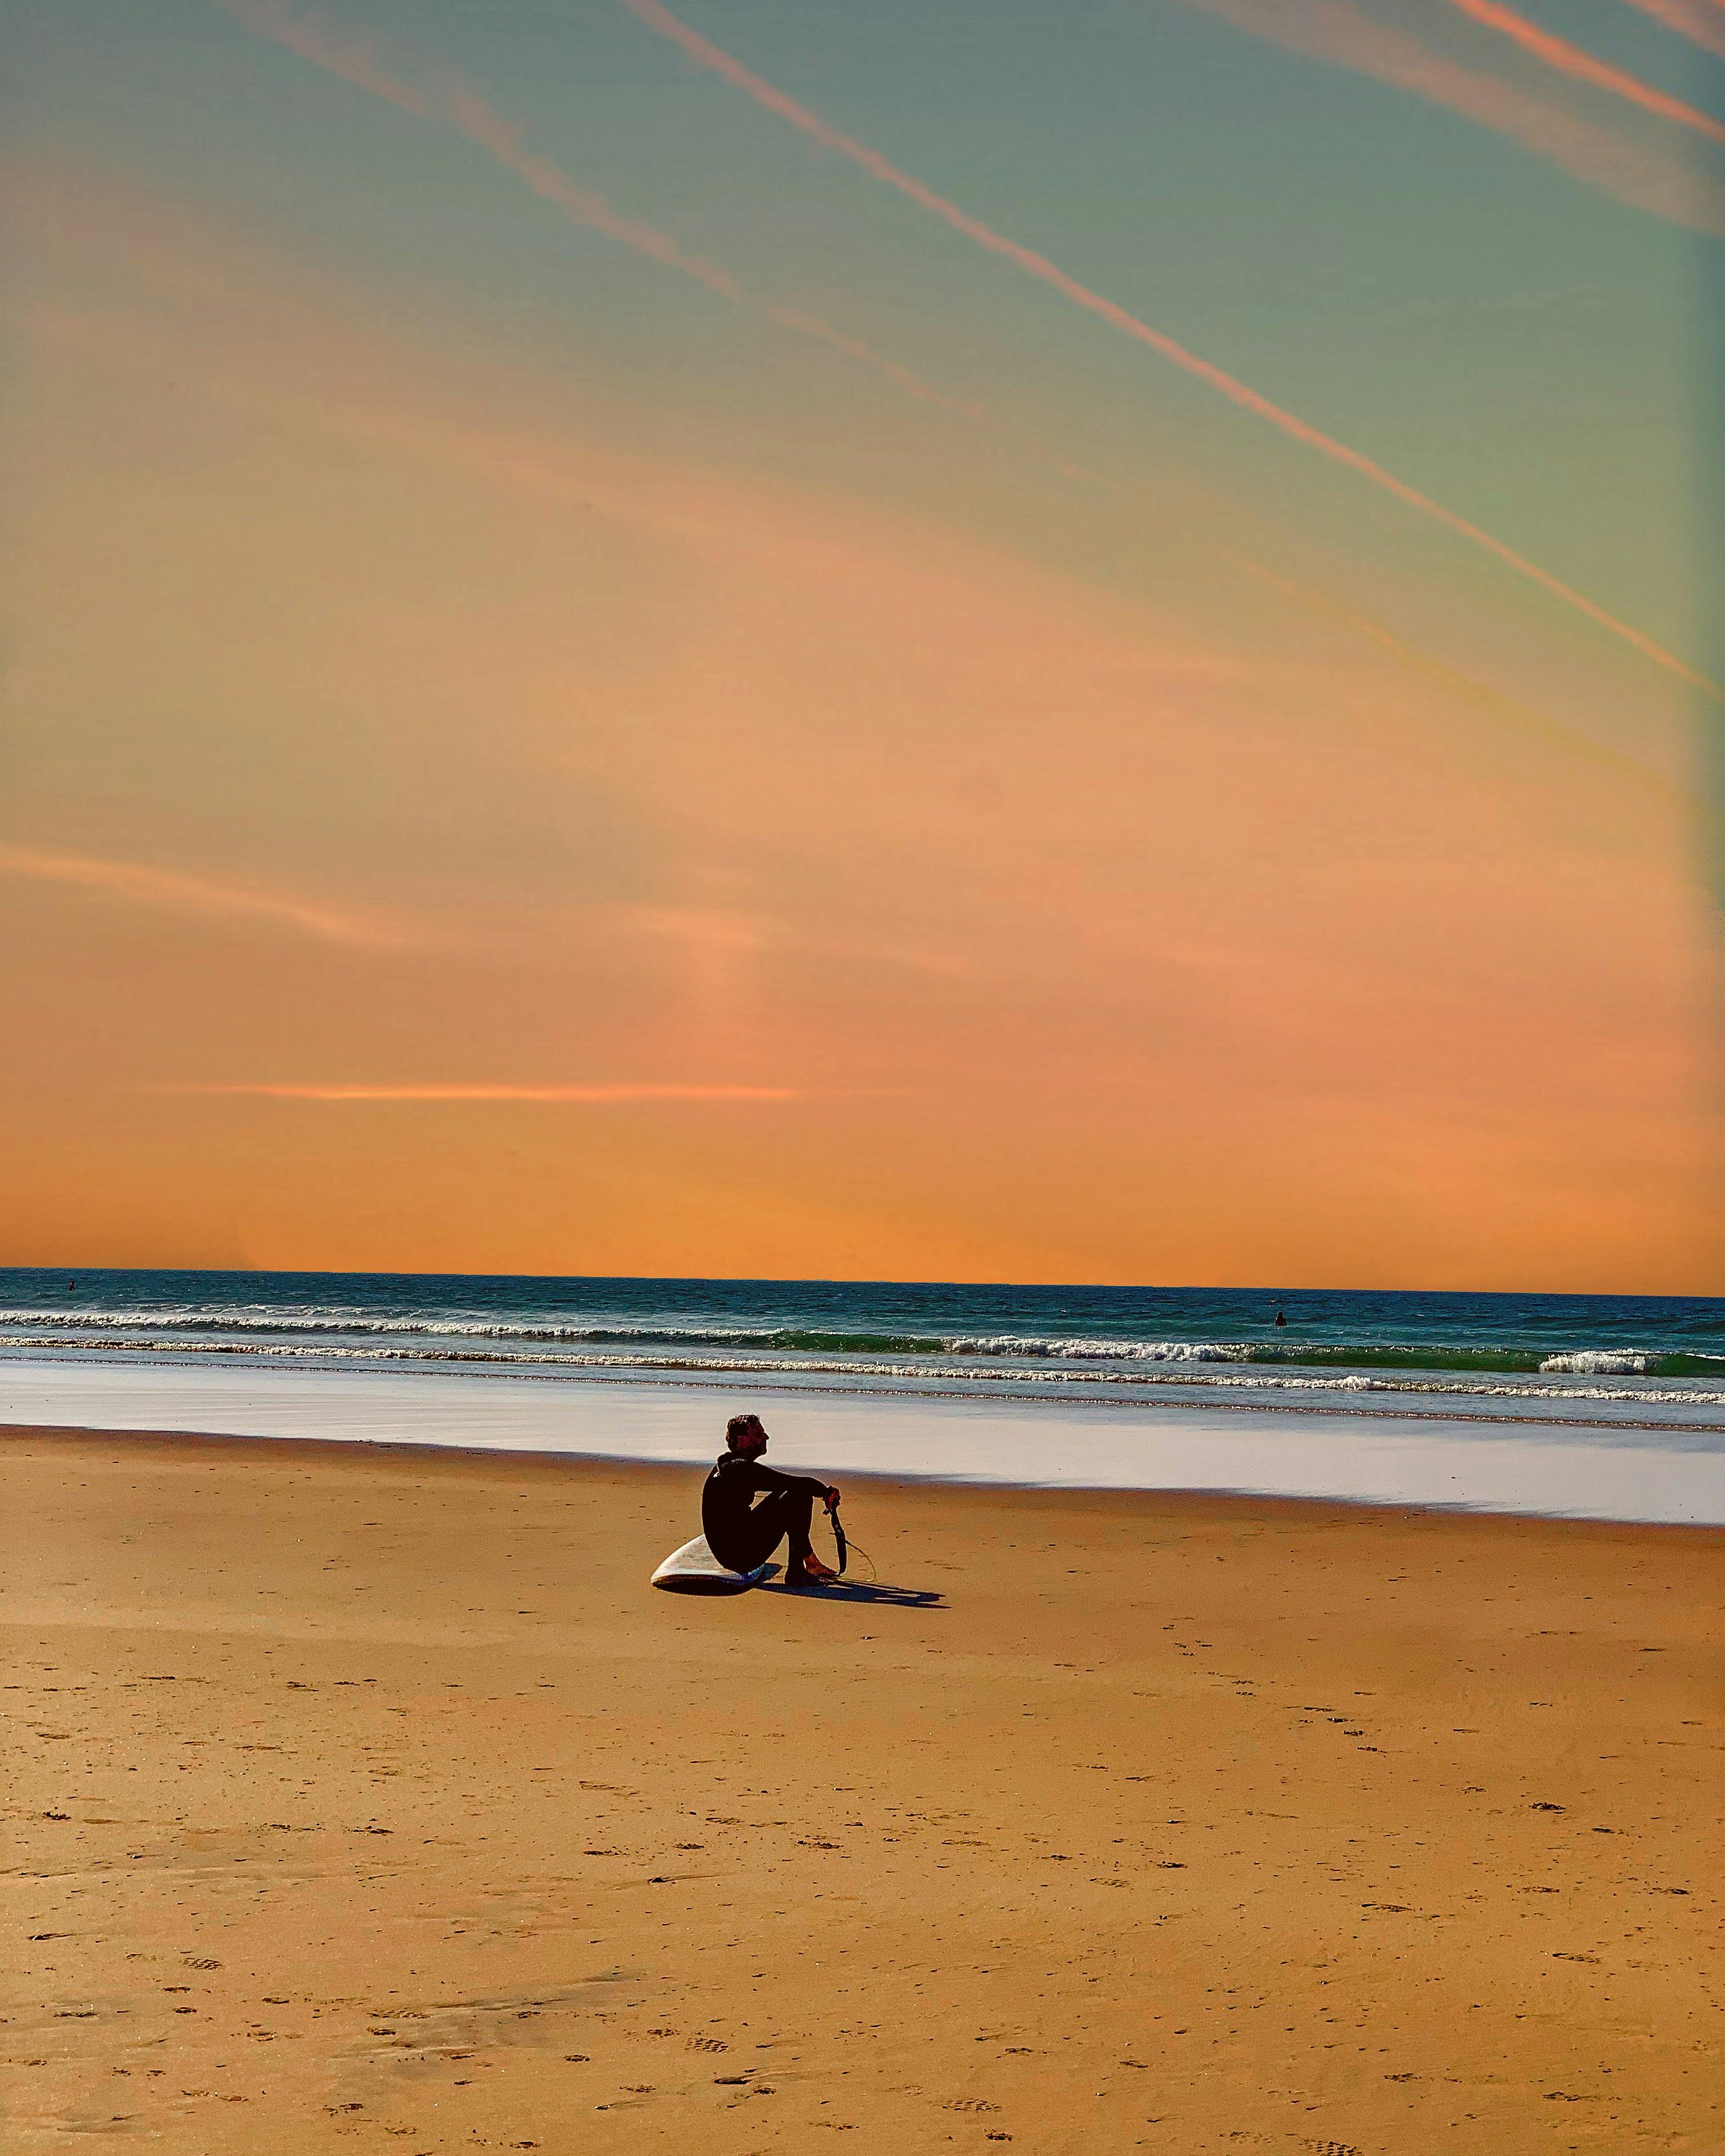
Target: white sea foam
x,y
330,1329
333,1321
336,1321
522,1362
1032,1349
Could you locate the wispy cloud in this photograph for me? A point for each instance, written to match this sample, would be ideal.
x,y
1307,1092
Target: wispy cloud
x,y
1571,60
1480,695
587,1096
135,883
717,61
333,46
702,928
1703,22
1623,165
451,101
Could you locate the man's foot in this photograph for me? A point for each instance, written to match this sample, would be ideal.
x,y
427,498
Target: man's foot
x,y
811,1573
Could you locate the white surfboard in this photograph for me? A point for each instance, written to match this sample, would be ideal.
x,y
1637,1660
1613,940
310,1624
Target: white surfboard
x,y
694,1570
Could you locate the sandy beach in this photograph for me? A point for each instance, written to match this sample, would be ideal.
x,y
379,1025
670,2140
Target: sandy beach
x,y
368,1798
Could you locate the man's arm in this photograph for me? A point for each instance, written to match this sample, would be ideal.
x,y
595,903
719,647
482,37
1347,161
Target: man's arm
x,y
764,1477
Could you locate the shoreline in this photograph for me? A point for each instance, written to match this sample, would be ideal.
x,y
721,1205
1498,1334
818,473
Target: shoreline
x,y
363,1789
1536,1468
1220,1501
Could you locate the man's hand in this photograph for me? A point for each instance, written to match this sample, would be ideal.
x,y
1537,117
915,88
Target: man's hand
x,y
832,1496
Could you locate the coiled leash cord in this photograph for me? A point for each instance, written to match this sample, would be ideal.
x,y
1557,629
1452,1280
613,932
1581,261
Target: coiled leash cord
x,y
842,1545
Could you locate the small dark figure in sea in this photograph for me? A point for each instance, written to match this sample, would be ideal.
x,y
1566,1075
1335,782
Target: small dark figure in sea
x,y
741,1533
1280,1319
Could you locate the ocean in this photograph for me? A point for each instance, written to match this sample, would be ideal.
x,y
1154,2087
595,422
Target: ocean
x,y
1609,1406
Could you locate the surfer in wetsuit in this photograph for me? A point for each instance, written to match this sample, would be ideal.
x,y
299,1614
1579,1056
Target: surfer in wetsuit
x,y
741,1533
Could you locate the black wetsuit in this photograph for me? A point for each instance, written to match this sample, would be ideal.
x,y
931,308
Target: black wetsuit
x,y
741,1533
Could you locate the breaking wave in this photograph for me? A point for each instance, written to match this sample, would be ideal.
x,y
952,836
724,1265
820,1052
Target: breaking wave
x,y
1031,1349
328,1328
1120,1381
337,1324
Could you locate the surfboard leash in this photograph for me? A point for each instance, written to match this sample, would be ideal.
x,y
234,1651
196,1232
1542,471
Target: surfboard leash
x,y
841,1549
842,1545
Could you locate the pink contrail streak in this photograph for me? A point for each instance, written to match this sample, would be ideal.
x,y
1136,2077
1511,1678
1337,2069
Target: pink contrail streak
x,y
1703,22
457,103
721,63
1570,59
141,884
589,1095
1627,163
328,46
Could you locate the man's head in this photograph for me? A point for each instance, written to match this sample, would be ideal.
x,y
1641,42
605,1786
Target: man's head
x,y
743,1434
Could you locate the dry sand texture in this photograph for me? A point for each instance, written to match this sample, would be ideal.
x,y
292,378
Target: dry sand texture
x,y
369,1801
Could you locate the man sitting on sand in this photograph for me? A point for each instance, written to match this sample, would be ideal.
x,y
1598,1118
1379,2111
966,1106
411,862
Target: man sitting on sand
x,y
742,1534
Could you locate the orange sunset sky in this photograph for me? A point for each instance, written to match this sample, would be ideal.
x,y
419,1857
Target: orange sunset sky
x,y
593,684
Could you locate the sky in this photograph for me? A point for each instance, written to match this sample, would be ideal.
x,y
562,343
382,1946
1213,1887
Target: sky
x,y
942,640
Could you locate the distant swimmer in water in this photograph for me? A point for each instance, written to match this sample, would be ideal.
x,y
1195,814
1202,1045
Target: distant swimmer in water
x,y
743,1534
1280,1319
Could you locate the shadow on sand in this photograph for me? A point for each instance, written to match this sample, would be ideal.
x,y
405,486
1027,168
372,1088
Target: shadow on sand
x,y
875,1591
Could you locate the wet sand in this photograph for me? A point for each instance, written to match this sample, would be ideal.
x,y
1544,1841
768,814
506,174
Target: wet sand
x,y
1609,1463
365,1797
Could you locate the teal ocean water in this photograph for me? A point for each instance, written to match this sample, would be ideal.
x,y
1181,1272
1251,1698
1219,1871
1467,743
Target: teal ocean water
x,y
1016,1337
1613,1406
